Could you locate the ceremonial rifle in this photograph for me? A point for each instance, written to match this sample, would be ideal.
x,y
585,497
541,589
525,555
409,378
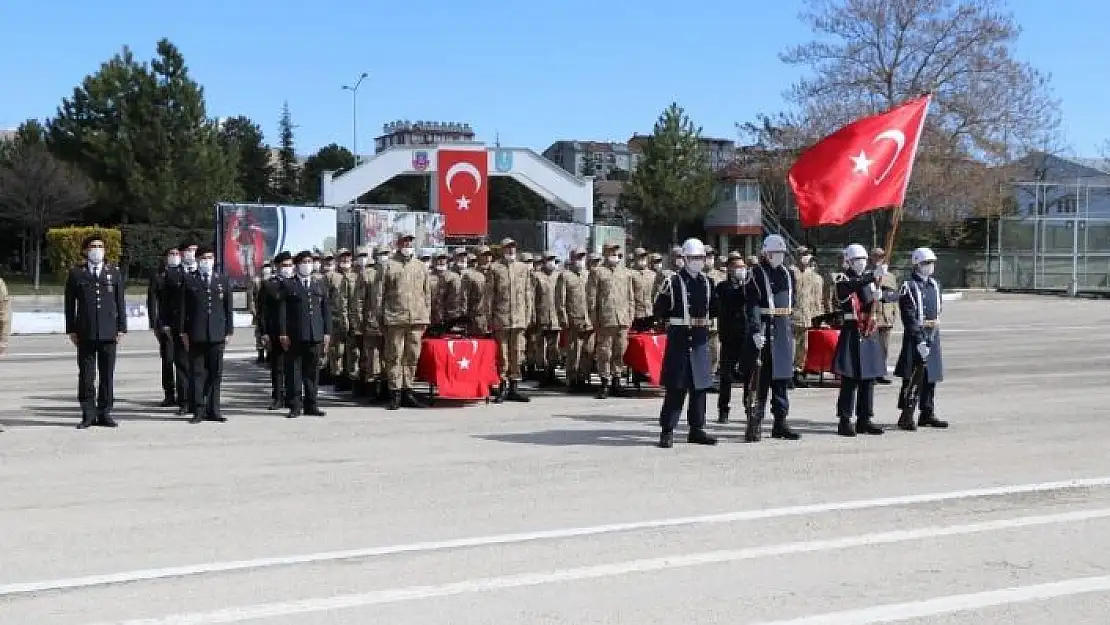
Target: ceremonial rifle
x,y
911,393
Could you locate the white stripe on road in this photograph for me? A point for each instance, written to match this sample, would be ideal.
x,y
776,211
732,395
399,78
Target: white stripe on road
x,y
488,584
894,612
556,534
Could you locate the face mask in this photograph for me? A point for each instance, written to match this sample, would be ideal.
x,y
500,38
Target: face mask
x,y
858,264
775,258
613,260
305,269
694,266
362,261
173,260
315,266
680,263
740,273
549,265
580,264
205,266
383,257
461,264
267,273
805,261
656,266
344,266
407,252
96,255
641,263
286,271
441,266
510,257
189,257
926,269
327,268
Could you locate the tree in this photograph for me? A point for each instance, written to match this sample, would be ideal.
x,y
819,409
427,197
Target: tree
x,y
141,133
332,157
242,140
38,191
672,187
288,187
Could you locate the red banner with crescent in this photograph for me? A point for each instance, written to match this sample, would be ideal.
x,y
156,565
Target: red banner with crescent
x,y
463,191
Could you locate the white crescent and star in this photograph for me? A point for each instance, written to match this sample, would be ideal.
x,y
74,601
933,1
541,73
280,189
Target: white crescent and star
x,y
861,164
463,202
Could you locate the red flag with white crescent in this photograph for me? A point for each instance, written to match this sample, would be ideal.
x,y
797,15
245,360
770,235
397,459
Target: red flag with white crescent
x,y
463,191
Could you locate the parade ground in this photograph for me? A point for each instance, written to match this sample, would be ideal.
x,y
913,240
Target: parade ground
x,y
563,510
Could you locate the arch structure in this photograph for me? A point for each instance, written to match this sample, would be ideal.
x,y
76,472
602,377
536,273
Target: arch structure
x,y
551,182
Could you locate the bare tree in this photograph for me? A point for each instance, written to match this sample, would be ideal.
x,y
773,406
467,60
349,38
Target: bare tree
x,y
37,191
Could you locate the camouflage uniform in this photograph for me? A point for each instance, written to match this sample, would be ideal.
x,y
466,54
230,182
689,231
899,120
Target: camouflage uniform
x,y
644,279
574,317
5,316
372,329
610,297
475,298
810,303
528,364
888,311
510,300
451,299
716,276
546,354
340,290
356,318
405,295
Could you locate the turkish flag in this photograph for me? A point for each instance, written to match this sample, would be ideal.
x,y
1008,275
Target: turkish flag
x,y
862,167
460,368
463,186
644,354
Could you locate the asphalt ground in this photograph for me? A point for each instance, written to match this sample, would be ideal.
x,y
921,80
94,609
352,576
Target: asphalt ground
x,y
562,510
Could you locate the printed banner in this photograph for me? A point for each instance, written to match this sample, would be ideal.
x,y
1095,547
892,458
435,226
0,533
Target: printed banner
x,y
607,235
562,237
380,227
251,234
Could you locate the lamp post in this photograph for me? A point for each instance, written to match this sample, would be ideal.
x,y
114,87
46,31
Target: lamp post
x,y
354,112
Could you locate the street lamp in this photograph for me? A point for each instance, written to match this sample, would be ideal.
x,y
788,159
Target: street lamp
x,y
354,112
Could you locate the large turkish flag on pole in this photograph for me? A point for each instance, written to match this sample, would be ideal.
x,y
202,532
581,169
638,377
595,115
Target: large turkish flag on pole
x,y
463,187
862,167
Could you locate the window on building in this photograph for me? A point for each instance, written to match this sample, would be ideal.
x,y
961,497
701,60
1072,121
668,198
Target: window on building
x,y
1067,205
747,192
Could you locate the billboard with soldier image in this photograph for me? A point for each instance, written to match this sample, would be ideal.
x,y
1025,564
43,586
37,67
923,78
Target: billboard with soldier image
x,y
248,235
382,227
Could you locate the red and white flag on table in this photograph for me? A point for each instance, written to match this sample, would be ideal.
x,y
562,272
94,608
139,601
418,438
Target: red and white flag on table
x,y
862,167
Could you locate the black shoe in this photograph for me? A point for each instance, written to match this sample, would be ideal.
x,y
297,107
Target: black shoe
x,y
86,423
514,393
276,403
753,432
294,412
168,402
410,400
782,431
864,425
603,390
845,428
218,418
394,401
722,415
699,437
343,383
314,412
499,393
197,418
800,381
906,423
931,422
182,410
666,440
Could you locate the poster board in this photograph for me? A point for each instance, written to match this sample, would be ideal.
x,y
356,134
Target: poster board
x,y
248,235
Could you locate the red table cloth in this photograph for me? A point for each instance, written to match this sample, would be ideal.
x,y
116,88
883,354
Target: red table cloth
x,y
459,368
645,354
821,349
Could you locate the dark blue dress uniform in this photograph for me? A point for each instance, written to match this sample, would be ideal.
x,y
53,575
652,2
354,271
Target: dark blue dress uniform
x,y
859,359
920,305
684,301
305,318
175,281
96,312
770,298
207,319
160,308
269,307
729,301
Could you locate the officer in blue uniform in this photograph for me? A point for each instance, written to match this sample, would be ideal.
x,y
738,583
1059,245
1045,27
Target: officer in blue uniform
x,y
96,318
305,332
732,327
920,305
175,281
159,307
859,354
770,297
205,323
269,304
684,301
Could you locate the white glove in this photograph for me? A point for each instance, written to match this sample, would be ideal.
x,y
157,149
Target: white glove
x,y
923,349
760,341
880,271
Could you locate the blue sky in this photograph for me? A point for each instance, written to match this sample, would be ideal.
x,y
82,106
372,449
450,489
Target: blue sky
x,y
535,72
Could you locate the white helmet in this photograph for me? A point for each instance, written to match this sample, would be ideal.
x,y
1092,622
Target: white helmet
x,y
774,243
923,255
855,251
693,247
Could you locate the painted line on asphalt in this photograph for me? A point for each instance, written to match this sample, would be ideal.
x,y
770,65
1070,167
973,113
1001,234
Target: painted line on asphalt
x,y
894,612
532,536
617,569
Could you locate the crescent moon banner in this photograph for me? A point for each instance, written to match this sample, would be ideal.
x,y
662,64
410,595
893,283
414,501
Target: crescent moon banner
x,y
463,191
863,167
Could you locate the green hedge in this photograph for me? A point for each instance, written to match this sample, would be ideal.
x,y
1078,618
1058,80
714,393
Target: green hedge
x,y
144,245
65,250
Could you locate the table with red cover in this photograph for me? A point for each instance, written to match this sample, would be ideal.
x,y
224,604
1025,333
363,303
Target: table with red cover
x,y
459,367
821,349
645,354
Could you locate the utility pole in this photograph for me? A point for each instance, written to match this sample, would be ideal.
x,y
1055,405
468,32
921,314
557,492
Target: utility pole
x,y
354,113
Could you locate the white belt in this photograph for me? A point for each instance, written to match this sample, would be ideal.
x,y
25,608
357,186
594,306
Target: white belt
x,y
930,323
693,322
850,317
776,312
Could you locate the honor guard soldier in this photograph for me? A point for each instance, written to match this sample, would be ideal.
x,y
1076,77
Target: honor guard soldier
x,y
405,293
732,324
610,296
545,353
305,332
206,321
920,305
770,300
859,354
269,305
96,319
685,301
574,318
159,305
508,286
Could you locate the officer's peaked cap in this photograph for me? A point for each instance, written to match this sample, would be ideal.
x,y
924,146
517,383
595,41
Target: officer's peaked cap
x,y
302,256
282,257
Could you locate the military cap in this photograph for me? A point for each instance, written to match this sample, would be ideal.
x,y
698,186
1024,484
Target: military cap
x,y
460,251
484,249
205,249
383,249
578,251
302,256
639,252
172,248
442,253
508,242
656,257
548,255
595,256
405,236
329,256
878,251
363,250
734,255
184,244
472,256
267,264
282,257
342,252
526,257
611,247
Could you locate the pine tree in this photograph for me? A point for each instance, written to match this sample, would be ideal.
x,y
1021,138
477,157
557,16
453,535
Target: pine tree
x,y
288,178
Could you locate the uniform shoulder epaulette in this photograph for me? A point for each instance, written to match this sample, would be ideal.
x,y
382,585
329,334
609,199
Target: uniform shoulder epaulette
x,y
839,277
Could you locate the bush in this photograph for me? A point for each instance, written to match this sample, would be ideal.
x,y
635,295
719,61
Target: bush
x,y
144,245
64,246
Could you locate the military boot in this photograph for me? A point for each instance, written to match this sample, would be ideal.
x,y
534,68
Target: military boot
x,y
781,430
394,400
603,390
499,393
666,440
753,431
342,383
722,415
929,421
905,422
410,400
698,436
615,388
514,393
845,428
864,425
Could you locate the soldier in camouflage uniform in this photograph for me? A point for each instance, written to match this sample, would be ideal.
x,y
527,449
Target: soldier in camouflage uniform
x,y
356,320
347,333
475,299
451,300
888,312
373,333
574,317
508,287
810,303
546,354
593,261
254,288
5,317
716,276
610,297
405,296
643,285
435,284
339,298
527,365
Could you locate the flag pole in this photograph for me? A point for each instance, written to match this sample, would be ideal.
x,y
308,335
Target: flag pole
x,y
896,217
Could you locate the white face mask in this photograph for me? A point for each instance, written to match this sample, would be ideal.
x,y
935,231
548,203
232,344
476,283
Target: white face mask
x,y
315,266
510,257
286,271
776,258
173,260
460,264
641,263
407,252
441,266
549,265
926,269
656,266
740,273
189,257
383,257
204,265
267,273
345,266
679,263
327,268
858,264
305,269
96,255
580,263
614,259
694,266
362,261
